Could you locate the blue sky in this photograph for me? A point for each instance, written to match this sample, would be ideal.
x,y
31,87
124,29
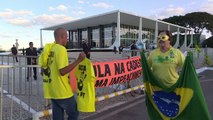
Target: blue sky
x,y
23,19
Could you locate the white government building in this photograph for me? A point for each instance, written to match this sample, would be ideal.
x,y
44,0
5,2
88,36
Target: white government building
x,y
104,31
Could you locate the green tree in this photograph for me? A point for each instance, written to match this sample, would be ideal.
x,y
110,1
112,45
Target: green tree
x,y
196,20
208,42
178,20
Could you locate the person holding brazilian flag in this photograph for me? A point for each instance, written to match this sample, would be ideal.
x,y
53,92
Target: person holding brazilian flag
x,y
168,95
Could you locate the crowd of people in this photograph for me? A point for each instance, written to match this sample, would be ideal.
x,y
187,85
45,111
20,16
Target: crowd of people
x,y
31,56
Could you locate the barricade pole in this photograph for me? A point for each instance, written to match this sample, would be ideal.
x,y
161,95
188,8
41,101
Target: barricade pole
x,y
1,90
98,99
12,92
46,113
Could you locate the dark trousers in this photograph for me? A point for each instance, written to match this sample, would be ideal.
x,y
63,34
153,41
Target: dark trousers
x,y
29,70
134,53
14,56
68,104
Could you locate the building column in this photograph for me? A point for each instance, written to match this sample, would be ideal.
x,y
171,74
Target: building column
x,y
177,43
118,37
41,40
168,27
72,44
79,39
183,47
185,39
117,40
101,35
191,42
69,40
113,32
89,36
140,30
156,32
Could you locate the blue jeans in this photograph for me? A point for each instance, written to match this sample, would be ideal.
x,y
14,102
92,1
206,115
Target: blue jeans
x,y
68,104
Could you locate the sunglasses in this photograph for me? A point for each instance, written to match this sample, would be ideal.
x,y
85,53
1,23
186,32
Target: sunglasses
x,y
163,37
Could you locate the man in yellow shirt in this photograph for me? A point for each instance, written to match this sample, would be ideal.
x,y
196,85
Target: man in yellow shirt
x,y
56,81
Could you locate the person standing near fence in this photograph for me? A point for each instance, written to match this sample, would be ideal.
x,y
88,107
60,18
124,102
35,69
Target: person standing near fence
x,y
32,52
23,51
56,83
115,49
14,52
121,47
133,47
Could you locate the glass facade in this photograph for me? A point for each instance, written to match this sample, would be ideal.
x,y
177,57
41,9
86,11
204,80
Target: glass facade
x,y
104,36
75,39
108,38
96,38
128,34
84,35
131,33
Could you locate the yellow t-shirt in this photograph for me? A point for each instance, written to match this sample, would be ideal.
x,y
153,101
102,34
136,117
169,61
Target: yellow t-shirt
x,y
85,86
55,85
164,65
44,55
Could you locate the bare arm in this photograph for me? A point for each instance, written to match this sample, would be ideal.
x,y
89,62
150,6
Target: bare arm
x,y
70,67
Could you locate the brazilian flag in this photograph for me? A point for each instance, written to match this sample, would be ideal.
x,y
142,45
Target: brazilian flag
x,y
182,101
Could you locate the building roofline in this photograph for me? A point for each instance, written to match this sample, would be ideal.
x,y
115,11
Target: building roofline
x,y
76,20
113,12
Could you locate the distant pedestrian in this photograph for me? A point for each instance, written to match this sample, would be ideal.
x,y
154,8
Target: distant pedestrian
x,y
115,49
23,51
86,48
121,47
32,60
14,52
133,47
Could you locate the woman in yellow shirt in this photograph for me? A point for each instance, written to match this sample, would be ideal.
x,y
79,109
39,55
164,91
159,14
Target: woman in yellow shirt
x,y
165,60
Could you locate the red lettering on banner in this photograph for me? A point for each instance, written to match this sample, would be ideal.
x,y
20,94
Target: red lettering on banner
x,y
132,65
102,72
119,68
101,83
125,78
115,72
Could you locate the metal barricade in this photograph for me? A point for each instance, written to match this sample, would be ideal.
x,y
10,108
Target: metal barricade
x,y
104,94
23,99
20,97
